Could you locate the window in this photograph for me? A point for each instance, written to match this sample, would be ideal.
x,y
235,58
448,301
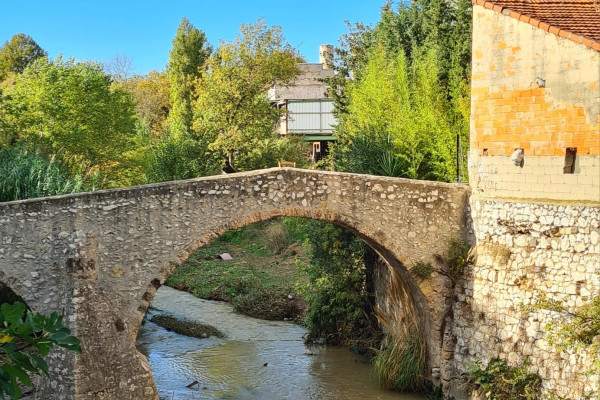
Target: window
x,y
310,116
570,156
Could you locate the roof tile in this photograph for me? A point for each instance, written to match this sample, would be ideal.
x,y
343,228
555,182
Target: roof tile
x,y
580,18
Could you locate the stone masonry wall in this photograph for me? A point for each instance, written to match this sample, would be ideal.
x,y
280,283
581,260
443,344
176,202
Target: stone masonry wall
x,y
99,257
527,251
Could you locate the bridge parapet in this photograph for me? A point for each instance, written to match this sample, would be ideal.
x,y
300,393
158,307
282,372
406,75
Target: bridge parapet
x,y
99,257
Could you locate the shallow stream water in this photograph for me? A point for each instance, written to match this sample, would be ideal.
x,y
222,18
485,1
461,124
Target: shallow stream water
x,y
257,360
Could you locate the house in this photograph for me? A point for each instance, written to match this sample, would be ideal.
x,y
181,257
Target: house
x,y
534,171
536,87
309,109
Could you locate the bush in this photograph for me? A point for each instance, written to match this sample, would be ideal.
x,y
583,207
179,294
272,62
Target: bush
x,y
277,237
498,381
275,304
340,293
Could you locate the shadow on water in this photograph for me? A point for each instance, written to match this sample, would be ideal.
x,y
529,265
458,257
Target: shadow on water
x,y
257,359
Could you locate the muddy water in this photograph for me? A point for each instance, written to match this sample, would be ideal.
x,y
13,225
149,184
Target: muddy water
x,y
258,360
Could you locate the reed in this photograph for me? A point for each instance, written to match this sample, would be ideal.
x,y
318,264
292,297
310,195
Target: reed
x,y
27,174
400,362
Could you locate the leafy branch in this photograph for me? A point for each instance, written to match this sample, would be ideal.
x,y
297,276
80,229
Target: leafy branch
x,y
25,338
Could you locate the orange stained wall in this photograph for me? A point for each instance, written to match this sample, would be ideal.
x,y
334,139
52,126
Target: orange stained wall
x,y
510,110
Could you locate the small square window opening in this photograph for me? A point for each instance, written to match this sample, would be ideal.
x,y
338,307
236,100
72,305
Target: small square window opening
x,y
570,156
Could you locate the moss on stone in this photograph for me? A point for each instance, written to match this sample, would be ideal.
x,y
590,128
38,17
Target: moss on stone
x,y
187,328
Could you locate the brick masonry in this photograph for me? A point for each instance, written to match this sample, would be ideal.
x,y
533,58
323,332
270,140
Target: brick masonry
x,y
510,110
99,257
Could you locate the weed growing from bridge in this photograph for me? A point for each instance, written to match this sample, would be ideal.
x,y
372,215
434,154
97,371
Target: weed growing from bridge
x,y
573,329
460,257
422,270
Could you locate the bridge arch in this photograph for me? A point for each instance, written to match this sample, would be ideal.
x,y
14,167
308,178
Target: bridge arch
x,y
107,252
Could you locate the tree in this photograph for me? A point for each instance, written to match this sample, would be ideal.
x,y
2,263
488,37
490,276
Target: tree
x,y
340,288
70,110
232,112
151,94
186,60
402,92
18,53
120,68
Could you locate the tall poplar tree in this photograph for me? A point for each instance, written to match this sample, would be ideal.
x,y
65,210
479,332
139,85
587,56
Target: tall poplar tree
x,y
186,59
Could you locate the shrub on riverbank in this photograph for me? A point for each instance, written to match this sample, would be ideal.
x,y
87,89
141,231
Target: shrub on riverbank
x,y
259,280
499,381
340,292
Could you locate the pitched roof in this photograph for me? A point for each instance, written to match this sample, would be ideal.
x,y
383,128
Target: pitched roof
x,y
576,20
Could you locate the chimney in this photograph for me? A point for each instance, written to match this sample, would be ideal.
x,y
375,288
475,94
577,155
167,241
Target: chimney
x,y
326,55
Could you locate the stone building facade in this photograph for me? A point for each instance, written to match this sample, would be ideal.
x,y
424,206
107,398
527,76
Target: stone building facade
x,y
535,180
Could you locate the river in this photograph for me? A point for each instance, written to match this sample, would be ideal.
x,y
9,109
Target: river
x,y
257,360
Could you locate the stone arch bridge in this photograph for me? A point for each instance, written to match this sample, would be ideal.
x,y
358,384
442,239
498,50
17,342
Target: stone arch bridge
x,y
98,258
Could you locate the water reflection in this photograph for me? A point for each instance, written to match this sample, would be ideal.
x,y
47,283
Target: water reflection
x,y
258,360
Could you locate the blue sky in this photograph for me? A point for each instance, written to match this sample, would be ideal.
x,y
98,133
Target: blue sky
x,y
143,30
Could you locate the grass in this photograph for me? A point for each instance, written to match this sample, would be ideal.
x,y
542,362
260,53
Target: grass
x,y
400,363
26,174
260,279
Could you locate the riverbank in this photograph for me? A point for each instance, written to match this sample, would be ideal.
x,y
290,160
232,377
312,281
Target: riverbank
x,y
260,278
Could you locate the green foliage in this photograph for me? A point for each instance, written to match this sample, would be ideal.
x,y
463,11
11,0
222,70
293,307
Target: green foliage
x,y
151,93
400,364
174,158
401,110
573,329
18,53
186,63
422,270
409,96
259,281
460,257
498,381
232,113
70,110
340,293
27,173
25,338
